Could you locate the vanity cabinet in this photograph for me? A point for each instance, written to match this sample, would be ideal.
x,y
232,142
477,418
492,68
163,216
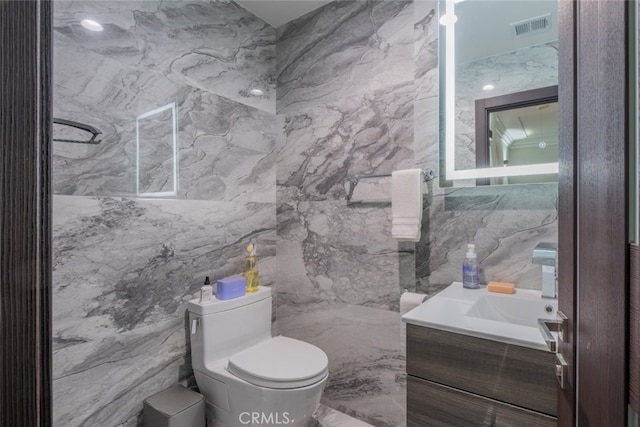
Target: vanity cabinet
x,y
460,380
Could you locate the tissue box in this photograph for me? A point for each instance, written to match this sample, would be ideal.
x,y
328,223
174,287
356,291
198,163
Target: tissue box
x,y
231,287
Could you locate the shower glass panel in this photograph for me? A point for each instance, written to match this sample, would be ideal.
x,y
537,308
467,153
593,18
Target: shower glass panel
x,y
157,153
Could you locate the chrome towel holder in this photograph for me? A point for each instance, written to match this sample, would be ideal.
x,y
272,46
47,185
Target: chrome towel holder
x,y
87,128
427,174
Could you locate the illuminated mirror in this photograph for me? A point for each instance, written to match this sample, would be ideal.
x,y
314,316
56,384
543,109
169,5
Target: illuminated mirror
x,y
490,49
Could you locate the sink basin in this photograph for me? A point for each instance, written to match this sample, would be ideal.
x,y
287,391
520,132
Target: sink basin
x,y
512,309
509,318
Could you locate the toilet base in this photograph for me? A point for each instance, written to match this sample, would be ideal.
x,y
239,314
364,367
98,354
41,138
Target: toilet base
x,y
217,417
242,404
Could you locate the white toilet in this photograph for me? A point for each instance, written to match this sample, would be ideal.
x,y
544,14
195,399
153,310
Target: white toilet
x,y
248,376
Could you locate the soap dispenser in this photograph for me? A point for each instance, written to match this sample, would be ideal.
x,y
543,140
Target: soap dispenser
x,y
470,271
251,269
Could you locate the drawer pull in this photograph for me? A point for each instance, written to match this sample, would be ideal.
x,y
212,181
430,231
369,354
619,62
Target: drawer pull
x,y
561,370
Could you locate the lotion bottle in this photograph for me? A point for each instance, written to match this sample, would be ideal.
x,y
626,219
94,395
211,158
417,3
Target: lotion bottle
x,y
251,269
206,293
470,271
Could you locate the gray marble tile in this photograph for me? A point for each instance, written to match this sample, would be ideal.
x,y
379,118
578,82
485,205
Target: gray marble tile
x,y
366,363
226,150
504,223
328,251
124,270
100,99
102,381
328,417
324,416
345,95
174,39
426,114
313,165
152,54
346,45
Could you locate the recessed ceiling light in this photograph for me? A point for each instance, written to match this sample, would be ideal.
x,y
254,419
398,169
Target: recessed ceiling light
x,y
542,144
488,87
256,92
448,19
92,25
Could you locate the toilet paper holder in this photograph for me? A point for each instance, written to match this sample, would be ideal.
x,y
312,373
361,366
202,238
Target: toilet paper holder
x,y
411,300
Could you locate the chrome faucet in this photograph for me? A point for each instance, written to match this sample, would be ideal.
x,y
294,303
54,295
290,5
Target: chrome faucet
x,y
545,254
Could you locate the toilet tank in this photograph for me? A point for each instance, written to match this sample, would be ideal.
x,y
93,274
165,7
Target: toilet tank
x,y
224,327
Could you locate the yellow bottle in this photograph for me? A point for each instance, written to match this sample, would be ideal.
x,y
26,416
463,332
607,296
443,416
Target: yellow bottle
x,y
251,269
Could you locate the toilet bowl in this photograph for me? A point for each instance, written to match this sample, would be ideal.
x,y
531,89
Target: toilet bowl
x,y
247,376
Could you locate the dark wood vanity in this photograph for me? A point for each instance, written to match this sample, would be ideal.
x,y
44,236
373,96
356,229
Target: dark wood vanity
x,y
460,380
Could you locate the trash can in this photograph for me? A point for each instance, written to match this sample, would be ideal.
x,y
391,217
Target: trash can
x,y
175,407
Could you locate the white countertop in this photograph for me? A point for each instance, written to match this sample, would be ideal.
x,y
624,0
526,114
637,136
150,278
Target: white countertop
x,y
508,318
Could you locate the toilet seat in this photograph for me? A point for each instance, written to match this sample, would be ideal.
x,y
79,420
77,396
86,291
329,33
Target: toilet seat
x,y
280,363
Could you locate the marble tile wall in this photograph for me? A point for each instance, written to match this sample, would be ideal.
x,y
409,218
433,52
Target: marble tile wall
x,y
345,103
124,270
504,223
357,93
203,55
125,266
345,95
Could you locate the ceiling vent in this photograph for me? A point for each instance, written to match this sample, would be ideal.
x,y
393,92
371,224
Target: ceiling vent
x,y
530,26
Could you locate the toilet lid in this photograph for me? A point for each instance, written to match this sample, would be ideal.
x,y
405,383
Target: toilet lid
x,y
280,362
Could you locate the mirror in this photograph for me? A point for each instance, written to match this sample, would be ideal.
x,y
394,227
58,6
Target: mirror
x,y
491,49
517,129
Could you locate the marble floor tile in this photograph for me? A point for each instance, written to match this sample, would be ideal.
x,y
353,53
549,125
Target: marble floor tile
x,y
328,417
323,417
367,377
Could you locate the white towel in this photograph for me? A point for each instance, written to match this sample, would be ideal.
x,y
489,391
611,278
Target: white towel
x,y
406,204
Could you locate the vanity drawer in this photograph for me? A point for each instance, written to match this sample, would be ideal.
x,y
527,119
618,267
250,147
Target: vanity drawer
x,y
435,405
517,375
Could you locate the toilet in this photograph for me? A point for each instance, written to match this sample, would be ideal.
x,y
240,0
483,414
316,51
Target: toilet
x,y
247,376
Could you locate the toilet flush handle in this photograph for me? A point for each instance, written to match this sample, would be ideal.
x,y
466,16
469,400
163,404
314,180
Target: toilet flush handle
x,y
194,326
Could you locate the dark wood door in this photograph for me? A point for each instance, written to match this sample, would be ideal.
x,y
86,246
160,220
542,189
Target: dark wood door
x,y
567,101
593,211
25,254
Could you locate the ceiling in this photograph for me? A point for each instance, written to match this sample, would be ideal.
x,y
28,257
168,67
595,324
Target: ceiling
x,y
485,22
483,29
279,12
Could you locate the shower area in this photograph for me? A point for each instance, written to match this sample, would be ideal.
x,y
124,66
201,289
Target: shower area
x,y
181,181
